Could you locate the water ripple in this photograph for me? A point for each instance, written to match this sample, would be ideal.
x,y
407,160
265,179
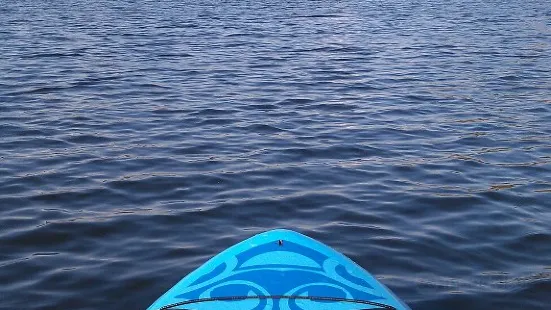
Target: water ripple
x,y
138,139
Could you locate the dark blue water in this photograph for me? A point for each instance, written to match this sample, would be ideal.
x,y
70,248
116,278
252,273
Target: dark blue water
x,y
139,138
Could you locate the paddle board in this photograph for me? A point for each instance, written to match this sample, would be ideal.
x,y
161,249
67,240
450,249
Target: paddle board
x,y
279,270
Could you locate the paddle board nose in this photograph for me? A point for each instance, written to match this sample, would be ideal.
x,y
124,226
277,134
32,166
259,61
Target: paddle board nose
x,y
279,269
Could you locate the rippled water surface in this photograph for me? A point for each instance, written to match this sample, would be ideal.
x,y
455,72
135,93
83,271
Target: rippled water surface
x,y
139,138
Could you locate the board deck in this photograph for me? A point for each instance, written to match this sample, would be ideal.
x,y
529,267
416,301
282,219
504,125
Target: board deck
x,y
279,270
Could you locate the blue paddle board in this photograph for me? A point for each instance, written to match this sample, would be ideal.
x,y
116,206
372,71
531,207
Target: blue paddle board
x,y
279,270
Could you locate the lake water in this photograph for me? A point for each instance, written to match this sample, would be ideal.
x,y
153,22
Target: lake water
x,y
140,138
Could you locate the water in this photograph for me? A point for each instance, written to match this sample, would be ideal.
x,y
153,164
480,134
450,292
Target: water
x,y
139,138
